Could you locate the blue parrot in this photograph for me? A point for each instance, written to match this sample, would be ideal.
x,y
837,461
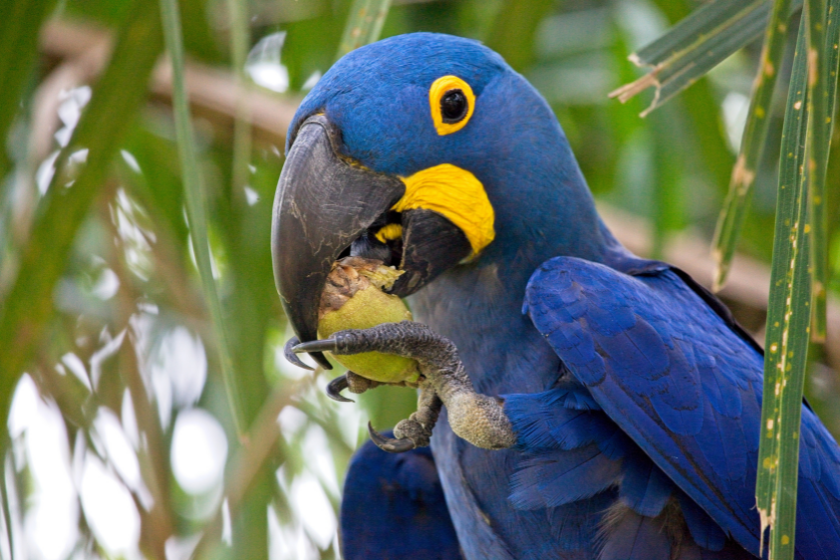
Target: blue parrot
x,y
585,403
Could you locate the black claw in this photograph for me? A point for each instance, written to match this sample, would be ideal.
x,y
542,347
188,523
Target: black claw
x,y
291,356
326,345
390,445
336,386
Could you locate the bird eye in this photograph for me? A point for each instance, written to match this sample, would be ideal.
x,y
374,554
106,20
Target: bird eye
x,y
453,106
452,102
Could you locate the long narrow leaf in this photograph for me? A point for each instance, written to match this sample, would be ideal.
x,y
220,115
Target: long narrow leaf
x,y
788,319
694,46
196,204
821,95
712,17
732,214
364,24
832,47
116,99
19,22
239,40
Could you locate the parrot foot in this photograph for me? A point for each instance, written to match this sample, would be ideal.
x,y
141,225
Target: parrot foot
x,y
416,430
291,356
356,383
336,386
479,419
391,445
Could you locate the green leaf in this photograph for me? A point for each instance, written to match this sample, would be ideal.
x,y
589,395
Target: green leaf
x,y
822,87
117,97
696,45
364,24
239,42
19,21
788,319
732,215
195,200
716,18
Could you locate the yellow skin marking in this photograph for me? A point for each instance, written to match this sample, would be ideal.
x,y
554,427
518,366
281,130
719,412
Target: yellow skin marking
x,y
437,91
447,189
456,194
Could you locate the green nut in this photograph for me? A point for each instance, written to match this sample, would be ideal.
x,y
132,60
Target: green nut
x,y
353,299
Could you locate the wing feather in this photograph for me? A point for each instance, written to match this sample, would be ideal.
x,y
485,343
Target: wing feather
x,y
673,373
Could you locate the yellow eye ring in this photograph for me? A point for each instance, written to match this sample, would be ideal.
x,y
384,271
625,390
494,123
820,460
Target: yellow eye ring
x,y
452,102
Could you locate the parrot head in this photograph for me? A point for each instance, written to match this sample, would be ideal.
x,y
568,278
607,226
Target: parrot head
x,y
425,151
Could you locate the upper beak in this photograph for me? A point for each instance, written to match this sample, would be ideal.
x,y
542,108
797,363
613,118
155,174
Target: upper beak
x,y
328,206
323,203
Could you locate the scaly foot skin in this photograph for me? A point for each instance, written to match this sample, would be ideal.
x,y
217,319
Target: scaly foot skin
x,y
416,430
356,383
479,419
352,381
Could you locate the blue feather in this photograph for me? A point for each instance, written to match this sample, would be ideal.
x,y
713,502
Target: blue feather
x,y
645,488
687,391
635,537
703,529
544,422
574,524
394,507
560,477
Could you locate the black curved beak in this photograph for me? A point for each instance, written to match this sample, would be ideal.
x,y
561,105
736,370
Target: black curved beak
x,y
327,206
323,203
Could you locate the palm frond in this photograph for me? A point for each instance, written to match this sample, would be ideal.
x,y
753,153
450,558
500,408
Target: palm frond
x,y
788,319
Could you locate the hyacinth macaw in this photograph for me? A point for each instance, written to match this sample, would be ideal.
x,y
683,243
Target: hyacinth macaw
x,y
588,403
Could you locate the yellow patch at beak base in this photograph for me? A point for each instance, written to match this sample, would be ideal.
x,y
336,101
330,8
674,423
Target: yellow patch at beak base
x,y
455,194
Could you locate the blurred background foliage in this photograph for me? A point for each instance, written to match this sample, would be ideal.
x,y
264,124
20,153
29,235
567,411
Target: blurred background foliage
x,y
121,438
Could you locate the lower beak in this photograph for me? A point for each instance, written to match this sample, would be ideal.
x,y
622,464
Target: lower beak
x,y
324,202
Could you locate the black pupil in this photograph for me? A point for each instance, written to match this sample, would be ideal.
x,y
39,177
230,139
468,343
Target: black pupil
x,y
453,106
